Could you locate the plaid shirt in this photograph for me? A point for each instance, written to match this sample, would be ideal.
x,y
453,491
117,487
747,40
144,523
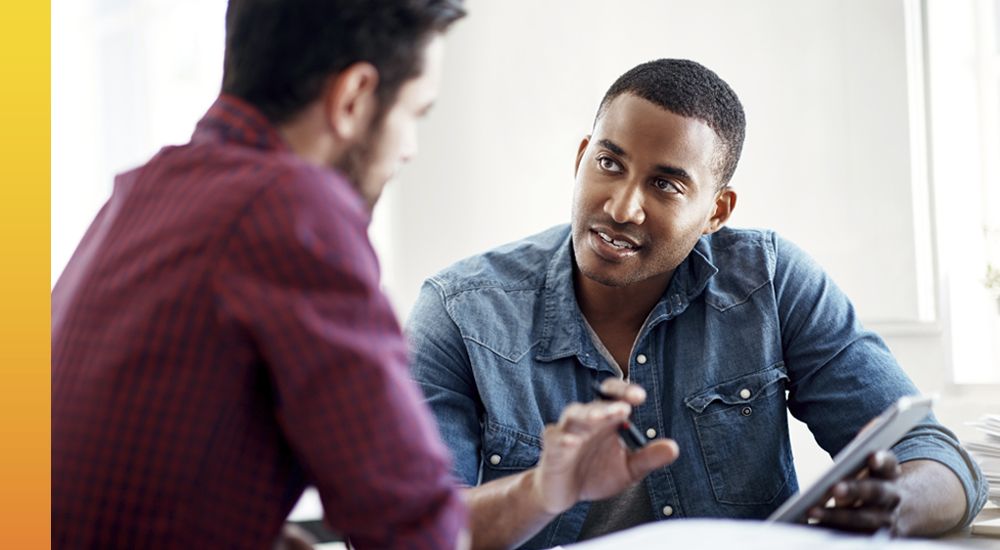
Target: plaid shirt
x,y
219,341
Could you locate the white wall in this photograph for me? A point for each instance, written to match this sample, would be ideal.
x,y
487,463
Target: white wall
x,y
827,156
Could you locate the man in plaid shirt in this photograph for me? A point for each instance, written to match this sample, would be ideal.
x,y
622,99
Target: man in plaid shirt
x,y
219,339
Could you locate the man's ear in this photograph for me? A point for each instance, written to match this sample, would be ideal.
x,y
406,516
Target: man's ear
x,y
579,154
350,102
725,203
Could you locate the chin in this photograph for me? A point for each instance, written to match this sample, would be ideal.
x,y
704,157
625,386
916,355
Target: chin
x,y
605,277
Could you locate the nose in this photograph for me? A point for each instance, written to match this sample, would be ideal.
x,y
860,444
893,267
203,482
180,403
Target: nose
x,y
408,147
625,205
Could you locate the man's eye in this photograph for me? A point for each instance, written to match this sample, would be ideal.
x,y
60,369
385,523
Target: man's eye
x,y
665,185
608,164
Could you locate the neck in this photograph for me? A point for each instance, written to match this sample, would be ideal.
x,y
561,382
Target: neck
x,y
626,306
308,137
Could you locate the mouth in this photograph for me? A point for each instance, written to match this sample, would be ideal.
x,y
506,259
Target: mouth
x,y
612,246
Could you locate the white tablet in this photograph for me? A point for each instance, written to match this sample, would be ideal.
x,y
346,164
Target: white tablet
x,y
888,428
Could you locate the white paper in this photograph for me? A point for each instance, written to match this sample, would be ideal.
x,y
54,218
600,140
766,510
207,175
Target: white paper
x,y
746,535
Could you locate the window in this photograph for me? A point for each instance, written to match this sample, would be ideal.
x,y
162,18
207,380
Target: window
x,y
963,85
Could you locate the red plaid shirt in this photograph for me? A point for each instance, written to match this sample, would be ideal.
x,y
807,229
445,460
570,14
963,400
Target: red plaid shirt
x,y
219,341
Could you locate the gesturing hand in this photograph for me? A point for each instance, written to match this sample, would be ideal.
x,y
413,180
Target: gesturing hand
x,y
867,503
583,458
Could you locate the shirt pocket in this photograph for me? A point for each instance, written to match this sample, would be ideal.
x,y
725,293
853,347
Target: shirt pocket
x,y
742,429
507,451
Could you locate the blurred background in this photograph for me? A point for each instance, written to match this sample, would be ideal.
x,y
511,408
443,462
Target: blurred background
x,y
873,142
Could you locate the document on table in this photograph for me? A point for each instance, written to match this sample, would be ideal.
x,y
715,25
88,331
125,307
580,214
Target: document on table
x,y
746,535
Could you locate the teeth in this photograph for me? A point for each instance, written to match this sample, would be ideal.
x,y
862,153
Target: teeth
x,y
607,238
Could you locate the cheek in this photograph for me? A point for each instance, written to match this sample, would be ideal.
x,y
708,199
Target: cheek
x,y
585,196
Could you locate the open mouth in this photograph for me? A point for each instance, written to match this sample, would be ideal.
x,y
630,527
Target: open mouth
x,y
612,248
617,243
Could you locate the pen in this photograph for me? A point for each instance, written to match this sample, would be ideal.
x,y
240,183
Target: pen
x,y
631,436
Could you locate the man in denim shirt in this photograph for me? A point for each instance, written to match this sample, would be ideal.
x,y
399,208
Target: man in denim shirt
x,y
708,334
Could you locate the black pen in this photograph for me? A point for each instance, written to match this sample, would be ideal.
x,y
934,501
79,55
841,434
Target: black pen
x,y
631,436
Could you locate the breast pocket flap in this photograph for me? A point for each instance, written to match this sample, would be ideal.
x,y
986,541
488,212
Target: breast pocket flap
x,y
744,389
507,449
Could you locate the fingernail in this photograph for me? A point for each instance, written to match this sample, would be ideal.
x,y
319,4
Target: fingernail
x,y
815,513
840,489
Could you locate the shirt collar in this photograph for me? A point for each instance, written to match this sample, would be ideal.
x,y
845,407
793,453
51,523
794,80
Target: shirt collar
x,y
232,119
562,328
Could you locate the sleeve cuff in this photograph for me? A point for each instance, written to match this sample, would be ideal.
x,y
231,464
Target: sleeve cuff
x,y
933,442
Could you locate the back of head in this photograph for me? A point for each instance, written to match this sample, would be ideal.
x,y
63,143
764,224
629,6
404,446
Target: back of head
x,y
279,53
689,89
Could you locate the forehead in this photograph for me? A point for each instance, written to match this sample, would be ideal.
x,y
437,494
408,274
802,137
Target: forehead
x,y
647,131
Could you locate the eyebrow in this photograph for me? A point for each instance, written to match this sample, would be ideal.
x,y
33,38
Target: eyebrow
x,y
659,168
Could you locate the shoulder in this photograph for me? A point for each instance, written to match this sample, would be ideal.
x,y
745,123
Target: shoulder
x,y
745,260
517,266
750,259
239,179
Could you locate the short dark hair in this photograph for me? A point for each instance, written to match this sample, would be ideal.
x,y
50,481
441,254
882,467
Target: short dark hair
x,y
279,53
689,89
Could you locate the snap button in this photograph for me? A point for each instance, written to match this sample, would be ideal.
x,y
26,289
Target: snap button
x,y
746,411
641,359
651,433
494,459
668,511
745,393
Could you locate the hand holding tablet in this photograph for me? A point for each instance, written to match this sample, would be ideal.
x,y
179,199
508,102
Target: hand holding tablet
x,y
883,433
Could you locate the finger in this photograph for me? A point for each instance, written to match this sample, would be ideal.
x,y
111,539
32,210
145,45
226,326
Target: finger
x,y
595,416
884,465
619,389
865,520
866,493
655,455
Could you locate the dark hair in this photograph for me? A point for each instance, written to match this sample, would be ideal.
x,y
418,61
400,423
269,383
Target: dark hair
x,y
279,53
689,89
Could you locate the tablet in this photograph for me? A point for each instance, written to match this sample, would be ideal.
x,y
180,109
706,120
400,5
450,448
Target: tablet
x,y
888,428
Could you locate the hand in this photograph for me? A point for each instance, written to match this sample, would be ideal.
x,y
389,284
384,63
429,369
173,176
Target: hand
x,y
867,503
583,457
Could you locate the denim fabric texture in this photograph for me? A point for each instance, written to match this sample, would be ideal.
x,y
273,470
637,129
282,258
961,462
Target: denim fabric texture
x,y
749,328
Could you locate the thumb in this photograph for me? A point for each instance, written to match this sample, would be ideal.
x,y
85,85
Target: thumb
x,y
655,455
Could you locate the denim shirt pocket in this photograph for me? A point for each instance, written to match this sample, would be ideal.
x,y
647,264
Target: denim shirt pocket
x,y
507,451
742,428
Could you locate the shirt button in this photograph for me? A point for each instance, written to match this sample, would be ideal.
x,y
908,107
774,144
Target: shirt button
x,y
745,393
668,511
641,359
651,433
494,459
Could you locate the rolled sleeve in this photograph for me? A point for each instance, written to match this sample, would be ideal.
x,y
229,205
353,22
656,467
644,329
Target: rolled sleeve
x,y
931,441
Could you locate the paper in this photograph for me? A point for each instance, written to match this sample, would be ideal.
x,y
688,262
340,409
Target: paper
x,y
990,528
746,535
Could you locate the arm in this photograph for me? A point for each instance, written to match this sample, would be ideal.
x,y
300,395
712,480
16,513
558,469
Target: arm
x,y
582,457
300,281
932,499
842,377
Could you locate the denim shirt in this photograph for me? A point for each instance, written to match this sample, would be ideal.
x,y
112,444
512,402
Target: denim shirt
x,y
748,328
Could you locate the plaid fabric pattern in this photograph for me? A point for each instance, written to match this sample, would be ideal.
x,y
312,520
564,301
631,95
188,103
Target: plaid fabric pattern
x,y
219,341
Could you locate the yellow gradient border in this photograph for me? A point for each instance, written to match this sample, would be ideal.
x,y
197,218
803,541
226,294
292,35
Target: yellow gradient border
x,y
25,394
